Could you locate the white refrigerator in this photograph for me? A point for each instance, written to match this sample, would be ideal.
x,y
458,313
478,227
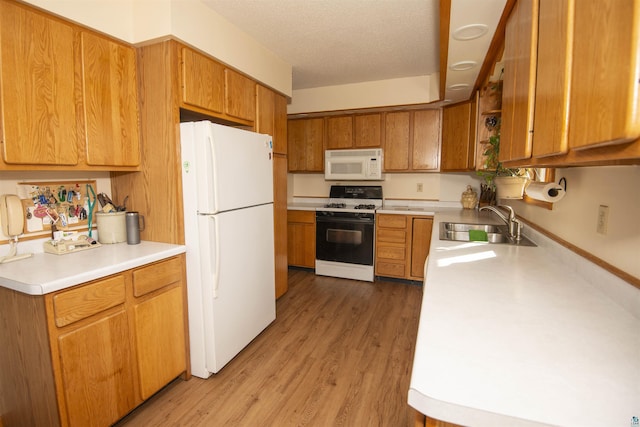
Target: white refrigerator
x,y
227,189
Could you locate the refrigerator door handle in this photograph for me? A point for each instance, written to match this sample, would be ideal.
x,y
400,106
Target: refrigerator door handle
x,y
215,240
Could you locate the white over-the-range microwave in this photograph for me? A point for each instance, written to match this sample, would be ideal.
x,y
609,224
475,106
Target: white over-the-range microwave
x,y
361,164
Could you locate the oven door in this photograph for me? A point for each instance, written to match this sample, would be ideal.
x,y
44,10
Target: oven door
x,y
344,239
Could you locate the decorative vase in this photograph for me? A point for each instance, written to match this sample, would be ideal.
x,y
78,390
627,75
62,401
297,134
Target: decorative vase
x,y
510,187
469,198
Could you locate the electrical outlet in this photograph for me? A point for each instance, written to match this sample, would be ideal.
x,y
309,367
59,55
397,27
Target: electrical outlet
x,y
419,187
603,219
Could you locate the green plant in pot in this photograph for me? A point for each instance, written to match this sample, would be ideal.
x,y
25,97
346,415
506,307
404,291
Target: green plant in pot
x,y
499,182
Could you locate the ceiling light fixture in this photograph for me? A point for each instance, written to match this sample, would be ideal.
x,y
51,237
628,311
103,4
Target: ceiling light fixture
x,y
459,86
463,65
470,32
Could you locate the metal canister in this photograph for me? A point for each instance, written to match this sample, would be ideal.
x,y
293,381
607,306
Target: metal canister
x,y
135,224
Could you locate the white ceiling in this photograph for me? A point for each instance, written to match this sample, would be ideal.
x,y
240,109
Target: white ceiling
x,y
334,42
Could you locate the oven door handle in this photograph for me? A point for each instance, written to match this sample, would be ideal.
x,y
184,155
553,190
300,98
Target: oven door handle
x,y
326,219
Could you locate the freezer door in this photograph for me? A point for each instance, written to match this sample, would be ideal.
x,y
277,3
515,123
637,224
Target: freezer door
x,y
238,279
234,168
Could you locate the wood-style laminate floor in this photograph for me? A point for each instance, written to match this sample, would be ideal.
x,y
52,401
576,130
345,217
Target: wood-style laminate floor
x,y
338,354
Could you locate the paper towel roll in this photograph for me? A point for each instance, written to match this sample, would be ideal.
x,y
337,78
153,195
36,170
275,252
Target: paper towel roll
x,y
545,191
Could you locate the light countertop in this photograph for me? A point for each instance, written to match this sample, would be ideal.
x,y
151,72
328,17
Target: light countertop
x,y
403,207
524,336
44,273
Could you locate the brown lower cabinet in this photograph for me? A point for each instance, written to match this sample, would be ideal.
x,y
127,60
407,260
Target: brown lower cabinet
x,y
301,238
402,245
88,355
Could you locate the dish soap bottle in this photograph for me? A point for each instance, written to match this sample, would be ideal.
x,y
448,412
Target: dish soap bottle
x,y
469,198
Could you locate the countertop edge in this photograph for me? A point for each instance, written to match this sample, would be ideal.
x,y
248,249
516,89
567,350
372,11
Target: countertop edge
x,y
117,258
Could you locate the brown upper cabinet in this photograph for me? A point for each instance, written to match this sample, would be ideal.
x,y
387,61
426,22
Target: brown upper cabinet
x,y
202,81
459,137
239,98
271,117
368,130
412,141
111,102
339,132
39,125
571,98
69,96
306,145
210,88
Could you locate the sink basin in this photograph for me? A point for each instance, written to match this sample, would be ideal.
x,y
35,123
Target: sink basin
x,y
495,233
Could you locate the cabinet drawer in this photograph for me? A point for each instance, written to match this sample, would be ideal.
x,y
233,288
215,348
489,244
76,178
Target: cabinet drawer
x,y
156,276
391,252
391,236
80,303
392,221
301,216
390,269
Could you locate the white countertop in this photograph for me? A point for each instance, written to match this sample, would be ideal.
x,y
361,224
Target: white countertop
x,y
524,336
44,273
403,207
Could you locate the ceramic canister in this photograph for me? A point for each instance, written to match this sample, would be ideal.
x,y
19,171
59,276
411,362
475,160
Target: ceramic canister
x,y
111,227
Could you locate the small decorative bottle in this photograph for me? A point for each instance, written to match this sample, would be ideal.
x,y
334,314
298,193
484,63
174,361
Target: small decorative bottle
x,y
469,198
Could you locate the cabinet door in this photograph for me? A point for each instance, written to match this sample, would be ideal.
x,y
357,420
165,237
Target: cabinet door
x,y
458,140
280,221
605,84
306,145
159,326
301,238
518,96
240,93
420,241
425,153
97,371
397,141
368,130
280,125
555,33
339,132
202,81
37,66
265,110
110,102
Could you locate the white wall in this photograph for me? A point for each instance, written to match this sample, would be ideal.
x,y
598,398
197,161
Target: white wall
x,y
574,218
435,186
403,91
137,21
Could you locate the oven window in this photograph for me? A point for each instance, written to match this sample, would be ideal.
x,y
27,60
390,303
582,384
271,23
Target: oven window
x,y
345,242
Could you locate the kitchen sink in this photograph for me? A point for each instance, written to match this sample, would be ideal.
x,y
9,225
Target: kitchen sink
x,y
495,233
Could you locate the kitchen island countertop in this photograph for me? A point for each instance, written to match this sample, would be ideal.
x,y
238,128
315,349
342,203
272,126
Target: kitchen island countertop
x,y
44,273
524,336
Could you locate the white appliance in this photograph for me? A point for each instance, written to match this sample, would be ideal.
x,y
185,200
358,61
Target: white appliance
x,y
228,215
360,164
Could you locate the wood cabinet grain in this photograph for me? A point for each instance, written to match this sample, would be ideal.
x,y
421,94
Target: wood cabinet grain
x,y
339,132
88,355
202,81
368,130
40,88
412,141
69,95
458,137
110,90
305,145
402,245
301,238
585,107
280,222
239,95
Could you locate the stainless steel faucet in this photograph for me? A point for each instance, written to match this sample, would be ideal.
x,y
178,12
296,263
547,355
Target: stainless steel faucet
x,y
514,225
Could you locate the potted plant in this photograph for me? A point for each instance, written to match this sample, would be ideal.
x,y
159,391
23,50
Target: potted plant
x,y
508,183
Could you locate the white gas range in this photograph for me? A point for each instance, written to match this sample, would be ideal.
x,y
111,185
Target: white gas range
x,y
345,232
